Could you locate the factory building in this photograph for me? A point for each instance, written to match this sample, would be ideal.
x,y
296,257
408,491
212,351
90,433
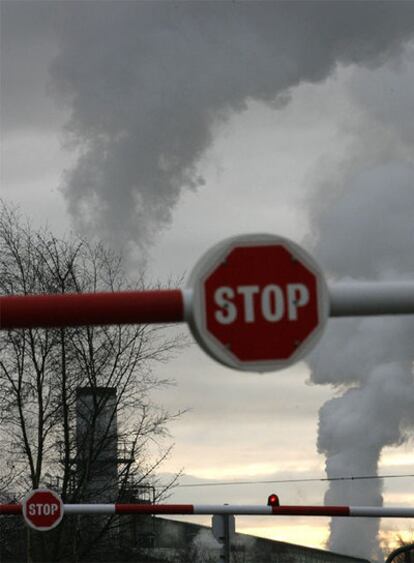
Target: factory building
x,y
98,464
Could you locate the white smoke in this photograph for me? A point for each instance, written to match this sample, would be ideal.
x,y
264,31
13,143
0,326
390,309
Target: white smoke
x,y
146,83
365,230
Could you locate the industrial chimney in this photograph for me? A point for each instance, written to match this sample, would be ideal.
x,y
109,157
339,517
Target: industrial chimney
x,y
97,444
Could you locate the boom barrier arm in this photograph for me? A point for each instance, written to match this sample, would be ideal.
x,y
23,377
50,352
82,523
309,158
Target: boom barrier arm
x,y
81,309
250,510
174,305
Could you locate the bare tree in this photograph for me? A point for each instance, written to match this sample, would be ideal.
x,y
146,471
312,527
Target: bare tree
x,y
42,371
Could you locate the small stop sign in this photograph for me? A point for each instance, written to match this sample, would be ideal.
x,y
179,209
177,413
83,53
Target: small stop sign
x,y
42,509
260,302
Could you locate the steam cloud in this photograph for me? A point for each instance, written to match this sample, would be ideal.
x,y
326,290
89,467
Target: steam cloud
x,y
147,83
366,231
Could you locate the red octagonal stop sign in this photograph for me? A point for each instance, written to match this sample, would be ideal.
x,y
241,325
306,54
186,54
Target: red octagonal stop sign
x,y
42,509
260,302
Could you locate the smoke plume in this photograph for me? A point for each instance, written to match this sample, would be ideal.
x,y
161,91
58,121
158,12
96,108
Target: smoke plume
x,y
147,82
364,224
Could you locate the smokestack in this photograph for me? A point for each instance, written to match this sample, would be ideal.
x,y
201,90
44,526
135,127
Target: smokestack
x,y
97,443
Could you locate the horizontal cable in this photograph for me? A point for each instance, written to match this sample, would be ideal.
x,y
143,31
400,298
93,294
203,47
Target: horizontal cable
x,y
308,480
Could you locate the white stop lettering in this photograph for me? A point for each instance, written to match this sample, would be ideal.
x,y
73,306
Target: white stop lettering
x,y
275,302
39,509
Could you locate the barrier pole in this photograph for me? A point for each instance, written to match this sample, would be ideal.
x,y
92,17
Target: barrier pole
x,y
80,309
351,299
240,510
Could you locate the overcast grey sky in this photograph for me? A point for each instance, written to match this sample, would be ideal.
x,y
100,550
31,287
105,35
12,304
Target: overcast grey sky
x,y
165,127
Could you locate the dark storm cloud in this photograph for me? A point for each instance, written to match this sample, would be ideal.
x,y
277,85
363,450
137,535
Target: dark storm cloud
x,y
146,83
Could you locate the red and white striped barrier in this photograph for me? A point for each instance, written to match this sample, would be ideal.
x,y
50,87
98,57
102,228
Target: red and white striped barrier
x,y
174,305
237,510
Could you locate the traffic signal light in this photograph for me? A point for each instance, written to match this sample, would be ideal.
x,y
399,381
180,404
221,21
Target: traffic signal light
x,y
273,500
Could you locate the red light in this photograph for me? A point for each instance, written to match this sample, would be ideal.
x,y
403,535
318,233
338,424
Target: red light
x,y
273,500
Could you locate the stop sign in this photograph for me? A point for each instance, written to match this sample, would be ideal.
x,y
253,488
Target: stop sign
x,y
259,302
42,509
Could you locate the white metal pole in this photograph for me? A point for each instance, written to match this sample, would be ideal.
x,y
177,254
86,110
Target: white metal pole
x,y
349,299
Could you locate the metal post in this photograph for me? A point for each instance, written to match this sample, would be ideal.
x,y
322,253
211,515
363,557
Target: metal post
x,y
223,528
227,543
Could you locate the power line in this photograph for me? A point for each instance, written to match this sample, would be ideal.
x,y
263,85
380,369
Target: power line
x,y
308,480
